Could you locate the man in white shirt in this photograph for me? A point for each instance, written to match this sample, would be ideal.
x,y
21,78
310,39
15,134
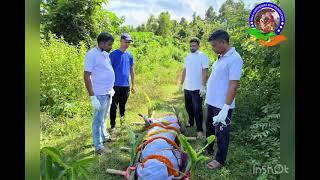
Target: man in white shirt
x,y
99,79
195,75
221,91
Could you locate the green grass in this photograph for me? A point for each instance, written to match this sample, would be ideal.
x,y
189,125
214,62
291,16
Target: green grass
x,y
74,137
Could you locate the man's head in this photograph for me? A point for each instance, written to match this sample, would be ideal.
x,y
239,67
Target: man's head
x,y
125,41
194,44
219,41
105,41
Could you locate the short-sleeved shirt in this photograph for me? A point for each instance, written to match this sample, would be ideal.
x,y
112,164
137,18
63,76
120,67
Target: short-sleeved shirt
x,y
194,64
121,63
102,75
226,68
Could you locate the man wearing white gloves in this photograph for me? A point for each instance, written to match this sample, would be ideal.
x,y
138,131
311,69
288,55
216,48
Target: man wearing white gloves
x,y
195,75
99,79
222,88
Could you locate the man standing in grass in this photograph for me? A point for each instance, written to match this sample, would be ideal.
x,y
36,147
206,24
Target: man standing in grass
x,y
99,80
195,75
123,65
222,88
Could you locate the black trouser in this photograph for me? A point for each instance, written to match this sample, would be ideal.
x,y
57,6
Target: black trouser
x,y
222,134
120,97
193,103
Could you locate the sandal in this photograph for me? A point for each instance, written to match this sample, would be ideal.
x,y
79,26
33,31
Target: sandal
x,y
214,164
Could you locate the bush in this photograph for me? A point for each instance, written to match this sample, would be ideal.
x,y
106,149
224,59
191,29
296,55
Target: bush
x,y
61,76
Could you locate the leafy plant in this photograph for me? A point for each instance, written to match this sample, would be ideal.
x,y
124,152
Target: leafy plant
x,y
151,106
194,157
55,166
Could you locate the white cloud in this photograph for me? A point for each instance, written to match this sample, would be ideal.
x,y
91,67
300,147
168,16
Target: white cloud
x,y
138,11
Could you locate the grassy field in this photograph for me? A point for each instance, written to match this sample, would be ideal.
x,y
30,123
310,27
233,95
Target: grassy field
x,y
159,52
74,137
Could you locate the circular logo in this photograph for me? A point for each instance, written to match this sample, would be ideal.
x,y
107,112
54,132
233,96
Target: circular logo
x,y
267,17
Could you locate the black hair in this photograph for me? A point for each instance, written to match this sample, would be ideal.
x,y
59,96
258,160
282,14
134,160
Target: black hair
x,y
219,35
195,39
104,36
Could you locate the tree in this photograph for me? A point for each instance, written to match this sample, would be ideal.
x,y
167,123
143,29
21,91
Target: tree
x,y
164,24
126,29
233,13
152,24
141,28
175,28
183,21
210,15
75,20
184,29
194,16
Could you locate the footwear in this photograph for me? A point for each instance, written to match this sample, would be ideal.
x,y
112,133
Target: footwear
x,y
104,150
108,140
122,120
188,125
113,130
214,164
200,135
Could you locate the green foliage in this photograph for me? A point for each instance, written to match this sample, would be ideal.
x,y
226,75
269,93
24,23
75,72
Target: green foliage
x,y
210,139
108,22
188,148
151,106
164,24
184,117
265,134
135,140
60,95
195,157
55,166
77,20
211,15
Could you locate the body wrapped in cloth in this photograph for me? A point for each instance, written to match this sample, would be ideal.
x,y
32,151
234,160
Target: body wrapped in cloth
x,y
161,158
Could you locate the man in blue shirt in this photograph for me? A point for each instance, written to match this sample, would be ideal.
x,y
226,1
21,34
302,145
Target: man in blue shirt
x,y
123,65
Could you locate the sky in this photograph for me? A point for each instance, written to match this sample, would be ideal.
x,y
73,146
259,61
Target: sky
x,y
137,12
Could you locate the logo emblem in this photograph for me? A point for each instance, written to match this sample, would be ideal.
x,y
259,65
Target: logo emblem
x,y
266,22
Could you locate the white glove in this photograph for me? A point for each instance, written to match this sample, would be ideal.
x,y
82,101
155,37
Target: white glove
x,y
95,103
221,117
112,92
202,90
180,88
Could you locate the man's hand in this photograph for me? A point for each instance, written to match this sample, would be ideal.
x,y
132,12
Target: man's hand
x,y
202,90
132,79
95,103
133,90
221,117
182,79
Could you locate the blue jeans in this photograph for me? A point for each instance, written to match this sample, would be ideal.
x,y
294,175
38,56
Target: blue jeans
x,y
99,129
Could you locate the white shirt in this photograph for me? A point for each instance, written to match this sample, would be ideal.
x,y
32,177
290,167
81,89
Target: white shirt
x,y
102,75
226,68
194,64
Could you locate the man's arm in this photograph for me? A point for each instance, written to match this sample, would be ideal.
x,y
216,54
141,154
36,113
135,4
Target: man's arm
x,y
232,91
204,76
132,77
88,83
183,76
